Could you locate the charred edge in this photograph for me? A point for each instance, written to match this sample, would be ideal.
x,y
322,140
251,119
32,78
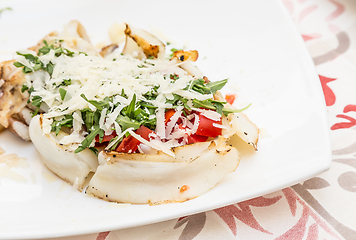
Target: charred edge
x,y
223,152
12,91
127,29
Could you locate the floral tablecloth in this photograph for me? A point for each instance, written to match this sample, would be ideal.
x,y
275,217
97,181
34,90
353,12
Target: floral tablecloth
x,y
323,207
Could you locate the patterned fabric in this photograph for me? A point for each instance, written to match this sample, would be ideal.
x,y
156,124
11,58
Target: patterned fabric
x,y
322,207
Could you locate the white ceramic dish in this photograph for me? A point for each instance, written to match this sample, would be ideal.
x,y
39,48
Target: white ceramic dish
x,y
253,43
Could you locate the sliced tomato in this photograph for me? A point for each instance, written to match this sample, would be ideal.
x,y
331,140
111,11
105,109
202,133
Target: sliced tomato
x,y
230,98
144,132
106,138
130,144
206,127
196,138
168,114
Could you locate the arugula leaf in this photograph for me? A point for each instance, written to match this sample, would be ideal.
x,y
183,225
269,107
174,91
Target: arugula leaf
x,y
219,107
89,139
130,109
226,111
126,122
94,150
100,105
207,104
123,94
88,117
215,86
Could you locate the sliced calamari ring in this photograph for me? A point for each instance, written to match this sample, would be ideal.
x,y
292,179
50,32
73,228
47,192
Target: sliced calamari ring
x,y
159,178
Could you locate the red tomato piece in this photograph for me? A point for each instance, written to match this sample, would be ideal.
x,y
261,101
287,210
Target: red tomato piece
x,y
168,114
106,138
144,132
130,144
206,127
230,98
196,138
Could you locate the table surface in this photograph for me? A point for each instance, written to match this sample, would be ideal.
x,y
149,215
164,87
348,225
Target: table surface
x,y
322,207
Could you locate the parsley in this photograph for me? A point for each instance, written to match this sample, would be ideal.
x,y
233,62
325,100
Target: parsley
x,y
32,59
37,64
24,88
174,50
63,93
65,82
67,121
174,76
58,50
36,101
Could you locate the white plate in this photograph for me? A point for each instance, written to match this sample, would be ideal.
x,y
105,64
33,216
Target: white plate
x,y
253,43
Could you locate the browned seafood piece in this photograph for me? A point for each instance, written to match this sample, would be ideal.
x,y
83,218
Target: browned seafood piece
x,y
12,100
19,128
73,35
105,51
182,55
40,44
151,46
239,124
79,29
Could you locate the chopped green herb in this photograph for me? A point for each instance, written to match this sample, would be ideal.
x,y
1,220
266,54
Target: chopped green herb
x,y
174,50
67,121
5,9
63,93
100,105
215,86
24,88
126,122
89,139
